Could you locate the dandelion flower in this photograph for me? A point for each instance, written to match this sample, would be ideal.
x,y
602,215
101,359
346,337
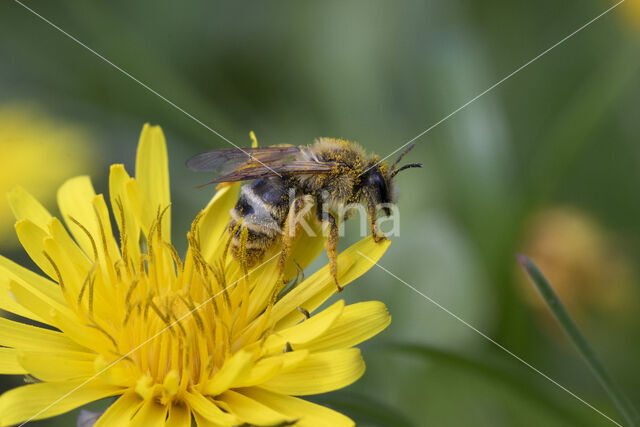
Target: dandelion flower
x,y
176,340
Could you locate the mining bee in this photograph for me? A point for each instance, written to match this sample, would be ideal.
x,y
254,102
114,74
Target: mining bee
x,y
287,180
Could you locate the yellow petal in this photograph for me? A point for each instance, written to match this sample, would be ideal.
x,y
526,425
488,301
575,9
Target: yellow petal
x,y
252,411
13,271
79,202
152,174
43,400
139,205
268,367
88,338
320,373
215,219
57,366
32,240
117,372
10,271
311,293
75,199
308,414
27,337
121,411
106,242
9,362
203,422
123,210
305,249
8,302
358,323
305,331
70,278
179,416
81,261
205,408
231,372
51,311
267,275
25,206
150,414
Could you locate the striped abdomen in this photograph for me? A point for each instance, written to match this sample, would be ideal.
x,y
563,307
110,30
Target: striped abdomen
x,y
261,208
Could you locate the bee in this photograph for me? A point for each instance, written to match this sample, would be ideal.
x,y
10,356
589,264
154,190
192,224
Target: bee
x,y
287,180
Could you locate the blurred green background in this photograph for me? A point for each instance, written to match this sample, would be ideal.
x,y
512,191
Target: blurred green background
x,y
546,164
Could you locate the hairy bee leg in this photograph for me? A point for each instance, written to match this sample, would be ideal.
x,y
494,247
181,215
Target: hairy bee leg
x,y
332,248
244,238
289,233
373,222
233,230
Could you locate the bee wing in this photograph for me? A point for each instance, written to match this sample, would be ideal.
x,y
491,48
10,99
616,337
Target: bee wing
x,y
229,159
255,171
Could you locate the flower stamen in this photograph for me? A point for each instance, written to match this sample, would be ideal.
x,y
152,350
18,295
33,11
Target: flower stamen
x,y
87,279
88,234
57,270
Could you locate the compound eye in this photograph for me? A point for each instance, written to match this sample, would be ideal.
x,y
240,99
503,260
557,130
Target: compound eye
x,y
375,180
377,186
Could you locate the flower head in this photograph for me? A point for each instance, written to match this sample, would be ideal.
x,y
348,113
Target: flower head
x,y
174,338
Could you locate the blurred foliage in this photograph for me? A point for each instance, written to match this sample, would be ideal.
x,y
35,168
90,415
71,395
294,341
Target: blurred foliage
x,y
562,132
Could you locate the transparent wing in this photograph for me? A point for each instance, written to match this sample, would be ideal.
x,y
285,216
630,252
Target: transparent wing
x,y
255,171
226,160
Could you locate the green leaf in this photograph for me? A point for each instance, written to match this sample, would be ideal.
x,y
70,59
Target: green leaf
x,y
557,308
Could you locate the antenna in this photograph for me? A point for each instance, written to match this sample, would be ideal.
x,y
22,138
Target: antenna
x,y
408,166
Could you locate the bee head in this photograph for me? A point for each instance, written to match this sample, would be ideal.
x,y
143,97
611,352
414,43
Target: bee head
x,y
380,179
379,187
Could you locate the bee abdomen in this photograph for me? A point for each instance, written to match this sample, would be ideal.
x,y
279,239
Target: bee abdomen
x,y
261,209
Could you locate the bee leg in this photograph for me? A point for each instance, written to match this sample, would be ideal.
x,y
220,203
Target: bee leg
x,y
242,253
234,230
289,232
332,248
373,222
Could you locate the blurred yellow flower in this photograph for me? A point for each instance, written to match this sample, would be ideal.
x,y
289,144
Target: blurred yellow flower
x,y
174,338
579,259
38,152
630,11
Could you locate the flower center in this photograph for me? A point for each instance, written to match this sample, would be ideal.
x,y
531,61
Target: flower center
x,y
170,324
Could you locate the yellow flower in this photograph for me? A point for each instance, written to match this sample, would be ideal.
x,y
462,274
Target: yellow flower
x,y
580,260
173,338
38,152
